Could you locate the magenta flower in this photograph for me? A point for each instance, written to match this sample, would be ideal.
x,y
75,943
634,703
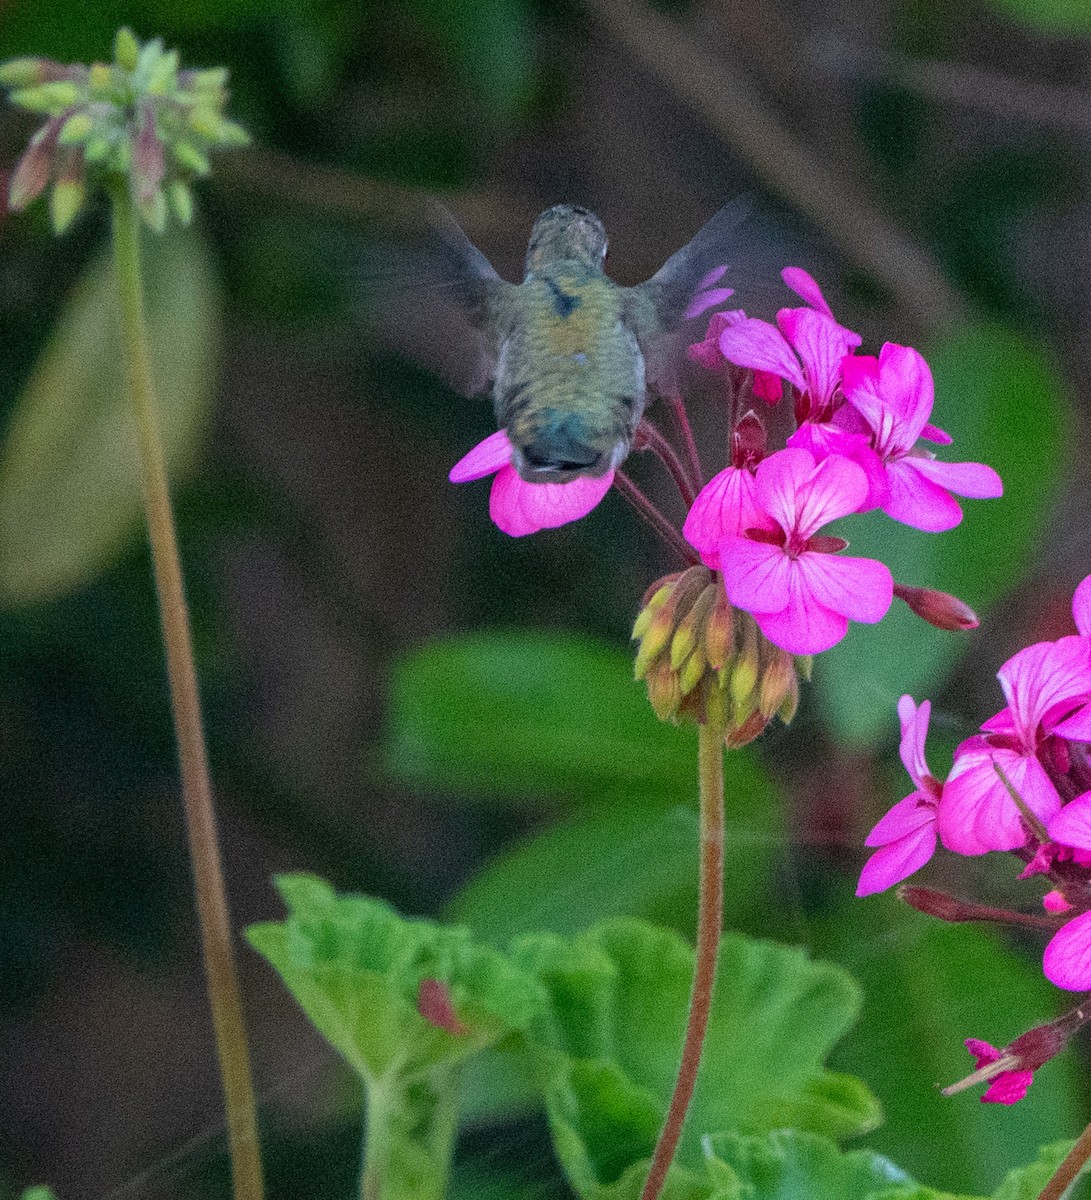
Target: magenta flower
x,y
894,395
1078,726
906,836
518,507
1067,958
806,347
1007,1087
725,507
801,593
1042,684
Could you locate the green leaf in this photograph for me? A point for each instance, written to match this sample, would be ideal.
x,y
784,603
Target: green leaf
x,y
1056,17
927,986
999,397
357,968
573,721
70,491
38,1193
789,1165
610,1041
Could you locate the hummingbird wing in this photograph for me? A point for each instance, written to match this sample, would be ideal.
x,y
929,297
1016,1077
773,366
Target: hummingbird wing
x,y
441,310
657,307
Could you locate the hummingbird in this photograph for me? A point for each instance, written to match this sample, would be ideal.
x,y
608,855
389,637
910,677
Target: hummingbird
x,y
569,356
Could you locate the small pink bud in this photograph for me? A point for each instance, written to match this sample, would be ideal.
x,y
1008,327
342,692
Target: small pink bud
x,y
434,1005
938,608
749,441
1055,902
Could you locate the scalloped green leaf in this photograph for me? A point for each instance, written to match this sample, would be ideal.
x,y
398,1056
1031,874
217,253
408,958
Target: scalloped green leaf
x,y
70,484
1025,1183
609,1043
357,968
990,382
789,1165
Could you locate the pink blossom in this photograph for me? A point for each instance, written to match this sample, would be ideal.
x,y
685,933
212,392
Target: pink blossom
x,y
894,395
806,347
1042,683
801,593
906,836
1054,902
708,295
518,507
725,507
1067,958
1008,1087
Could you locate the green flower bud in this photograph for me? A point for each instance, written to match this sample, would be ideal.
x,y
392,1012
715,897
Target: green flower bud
x,y
76,129
52,98
65,201
126,49
180,196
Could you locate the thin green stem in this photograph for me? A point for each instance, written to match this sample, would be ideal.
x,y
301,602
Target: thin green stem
x,y
1071,1165
216,938
710,755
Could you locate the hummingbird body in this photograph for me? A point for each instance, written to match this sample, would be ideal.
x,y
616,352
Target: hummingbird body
x,y
570,375
570,355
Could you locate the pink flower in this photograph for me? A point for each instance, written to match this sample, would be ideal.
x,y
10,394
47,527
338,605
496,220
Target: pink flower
x,y
727,504
518,507
1067,958
801,594
806,347
708,295
1007,1087
1042,684
894,395
907,834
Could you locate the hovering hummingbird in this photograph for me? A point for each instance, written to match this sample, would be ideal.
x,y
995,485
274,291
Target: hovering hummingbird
x,y
569,355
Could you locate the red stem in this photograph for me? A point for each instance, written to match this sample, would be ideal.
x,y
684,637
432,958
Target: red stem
x,y
709,922
654,440
678,407
647,510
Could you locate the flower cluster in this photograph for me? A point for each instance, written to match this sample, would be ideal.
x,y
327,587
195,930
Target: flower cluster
x,y
1021,785
759,522
139,117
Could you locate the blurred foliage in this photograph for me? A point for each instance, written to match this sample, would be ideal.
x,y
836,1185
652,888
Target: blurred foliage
x,y
70,487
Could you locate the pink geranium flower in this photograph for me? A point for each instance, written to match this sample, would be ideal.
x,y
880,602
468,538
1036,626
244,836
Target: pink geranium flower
x,y
1007,1087
518,507
727,505
1078,726
766,386
894,395
1042,684
806,347
790,577
906,836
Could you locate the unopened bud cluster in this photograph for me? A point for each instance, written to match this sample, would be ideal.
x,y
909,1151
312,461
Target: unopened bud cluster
x,y
139,117
703,660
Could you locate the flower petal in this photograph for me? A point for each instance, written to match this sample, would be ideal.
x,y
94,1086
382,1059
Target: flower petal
x,y
898,860
835,488
975,480
859,588
1072,825
1044,681
1067,960
756,574
916,501
759,346
725,507
547,505
821,344
914,720
976,814
803,284
779,478
904,818
803,627
1081,606
484,459
1009,1087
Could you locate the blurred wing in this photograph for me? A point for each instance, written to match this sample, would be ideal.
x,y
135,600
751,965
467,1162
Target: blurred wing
x,y
435,302
658,306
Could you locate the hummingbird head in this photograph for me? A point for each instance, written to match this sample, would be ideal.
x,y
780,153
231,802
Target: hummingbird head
x,y
566,231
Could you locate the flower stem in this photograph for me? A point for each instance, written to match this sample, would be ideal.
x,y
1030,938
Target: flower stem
x,y
681,417
223,988
654,440
1070,1167
647,510
710,754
